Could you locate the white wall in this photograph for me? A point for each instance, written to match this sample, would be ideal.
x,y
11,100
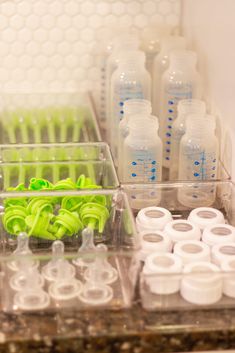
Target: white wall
x,y
209,26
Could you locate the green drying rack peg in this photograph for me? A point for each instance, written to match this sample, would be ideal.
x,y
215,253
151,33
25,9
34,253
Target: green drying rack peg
x,y
40,184
39,226
94,216
65,184
72,203
68,223
14,219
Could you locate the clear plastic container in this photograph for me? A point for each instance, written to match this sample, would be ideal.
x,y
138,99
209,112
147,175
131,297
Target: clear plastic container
x,y
185,108
44,117
160,64
131,107
129,81
142,151
180,81
122,43
198,158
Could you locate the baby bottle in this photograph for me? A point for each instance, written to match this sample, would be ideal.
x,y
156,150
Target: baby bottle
x,y
180,81
142,151
131,107
198,160
129,80
185,107
160,64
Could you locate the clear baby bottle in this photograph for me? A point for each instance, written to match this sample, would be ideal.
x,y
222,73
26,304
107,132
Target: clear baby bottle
x,y
198,160
160,64
185,107
142,151
129,80
180,81
123,42
131,107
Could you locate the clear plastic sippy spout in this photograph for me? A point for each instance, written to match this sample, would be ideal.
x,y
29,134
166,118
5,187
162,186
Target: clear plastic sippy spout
x,y
22,249
50,270
108,274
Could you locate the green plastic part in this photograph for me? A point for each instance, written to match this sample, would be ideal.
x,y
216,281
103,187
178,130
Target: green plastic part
x,y
39,205
68,223
14,219
94,216
65,184
39,226
72,203
40,184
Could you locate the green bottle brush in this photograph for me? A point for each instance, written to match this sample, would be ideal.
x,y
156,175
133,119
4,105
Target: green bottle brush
x,y
53,217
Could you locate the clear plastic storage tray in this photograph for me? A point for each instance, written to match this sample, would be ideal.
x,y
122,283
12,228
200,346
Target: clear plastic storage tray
x,y
21,272
47,118
154,287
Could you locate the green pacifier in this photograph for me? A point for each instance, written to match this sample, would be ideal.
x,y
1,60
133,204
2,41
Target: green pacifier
x,y
68,223
39,226
14,219
65,184
94,215
39,184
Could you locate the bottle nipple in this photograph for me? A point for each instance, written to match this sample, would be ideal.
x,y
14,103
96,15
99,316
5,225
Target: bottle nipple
x,y
87,246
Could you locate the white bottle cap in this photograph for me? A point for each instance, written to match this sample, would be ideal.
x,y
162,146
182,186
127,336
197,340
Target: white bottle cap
x,y
205,216
218,234
220,252
162,273
192,251
182,229
201,283
228,265
154,241
154,218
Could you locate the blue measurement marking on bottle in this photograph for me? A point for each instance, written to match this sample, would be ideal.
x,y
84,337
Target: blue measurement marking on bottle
x,y
143,168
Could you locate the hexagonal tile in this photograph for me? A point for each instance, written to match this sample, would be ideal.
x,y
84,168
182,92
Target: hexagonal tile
x,y
3,22
40,8
87,34
56,8
24,8
149,7
111,20
4,48
126,20
56,35
71,8
8,8
33,74
10,61
133,7
71,61
56,61
63,21
8,35
71,35
25,61
118,8
40,61
87,8
79,21
25,35
63,48
172,19
140,21
17,74
40,35
86,61
48,21
102,8
32,48
16,22
164,7
95,21
63,73
32,21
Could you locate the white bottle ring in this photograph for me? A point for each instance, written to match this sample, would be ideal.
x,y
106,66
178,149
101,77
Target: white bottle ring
x,y
205,216
179,230
162,273
220,252
192,250
154,218
218,234
154,241
228,268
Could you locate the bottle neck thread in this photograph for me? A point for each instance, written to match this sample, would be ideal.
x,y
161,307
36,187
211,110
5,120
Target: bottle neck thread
x,y
183,59
199,126
137,106
191,106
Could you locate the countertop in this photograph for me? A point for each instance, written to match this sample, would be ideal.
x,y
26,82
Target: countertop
x,y
134,330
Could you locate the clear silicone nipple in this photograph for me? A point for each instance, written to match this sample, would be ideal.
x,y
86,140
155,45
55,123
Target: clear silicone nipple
x,y
108,273
95,291
64,287
87,246
50,270
22,249
18,281
32,296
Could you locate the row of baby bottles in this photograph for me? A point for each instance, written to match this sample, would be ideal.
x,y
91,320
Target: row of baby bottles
x,y
179,136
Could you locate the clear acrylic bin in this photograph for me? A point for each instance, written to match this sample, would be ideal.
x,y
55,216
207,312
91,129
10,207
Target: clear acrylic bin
x,y
119,236
47,118
154,286
55,162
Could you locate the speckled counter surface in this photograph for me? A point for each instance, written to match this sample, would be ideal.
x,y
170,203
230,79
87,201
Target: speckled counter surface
x,y
133,330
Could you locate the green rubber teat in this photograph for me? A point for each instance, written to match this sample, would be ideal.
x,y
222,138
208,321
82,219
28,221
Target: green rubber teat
x,y
14,219
94,216
39,184
68,223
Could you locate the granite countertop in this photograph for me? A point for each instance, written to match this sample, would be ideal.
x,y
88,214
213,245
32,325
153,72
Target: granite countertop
x,y
134,330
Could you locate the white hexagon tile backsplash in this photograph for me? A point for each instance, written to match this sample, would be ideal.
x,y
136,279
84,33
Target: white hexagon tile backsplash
x,y
53,44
